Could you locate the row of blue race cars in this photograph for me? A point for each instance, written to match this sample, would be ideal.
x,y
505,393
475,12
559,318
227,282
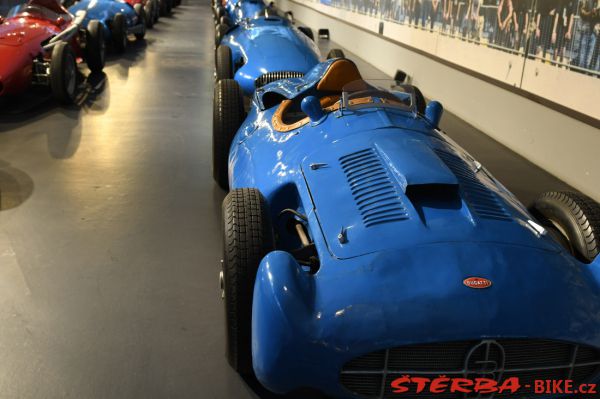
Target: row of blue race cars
x,y
362,246
41,41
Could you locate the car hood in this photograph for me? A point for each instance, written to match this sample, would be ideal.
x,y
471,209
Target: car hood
x,y
21,31
388,188
272,48
20,42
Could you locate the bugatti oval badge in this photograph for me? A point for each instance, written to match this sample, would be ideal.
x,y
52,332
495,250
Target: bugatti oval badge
x,y
477,282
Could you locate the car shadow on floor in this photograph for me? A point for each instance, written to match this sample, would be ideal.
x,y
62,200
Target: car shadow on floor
x,y
15,186
261,392
38,104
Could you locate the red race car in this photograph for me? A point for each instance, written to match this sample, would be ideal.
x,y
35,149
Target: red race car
x,y
41,44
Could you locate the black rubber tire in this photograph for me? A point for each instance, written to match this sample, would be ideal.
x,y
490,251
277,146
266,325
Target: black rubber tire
x,y
220,32
228,116
63,73
164,8
119,33
307,31
225,20
149,9
224,63
575,216
421,103
289,16
335,53
143,20
247,238
95,48
156,13
220,11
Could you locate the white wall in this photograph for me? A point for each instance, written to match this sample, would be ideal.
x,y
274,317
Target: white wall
x,y
565,147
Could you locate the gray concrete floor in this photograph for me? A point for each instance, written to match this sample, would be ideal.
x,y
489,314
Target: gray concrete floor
x,y
109,229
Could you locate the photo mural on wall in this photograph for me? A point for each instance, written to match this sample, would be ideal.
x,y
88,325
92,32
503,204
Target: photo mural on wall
x,y
562,32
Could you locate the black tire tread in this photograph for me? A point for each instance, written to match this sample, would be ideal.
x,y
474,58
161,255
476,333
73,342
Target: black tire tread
x,y
119,29
224,64
94,46
583,211
335,53
307,31
228,115
57,77
247,238
141,13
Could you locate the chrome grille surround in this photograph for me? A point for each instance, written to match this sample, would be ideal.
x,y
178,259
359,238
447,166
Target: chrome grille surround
x,y
274,76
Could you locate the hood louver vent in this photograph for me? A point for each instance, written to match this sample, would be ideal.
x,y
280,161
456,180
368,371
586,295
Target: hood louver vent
x,y
274,76
376,196
479,197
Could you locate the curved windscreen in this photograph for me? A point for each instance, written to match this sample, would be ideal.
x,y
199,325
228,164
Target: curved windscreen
x,y
360,94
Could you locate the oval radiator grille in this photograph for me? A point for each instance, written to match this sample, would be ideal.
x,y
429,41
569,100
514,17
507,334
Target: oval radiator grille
x,y
479,197
374,193
274,76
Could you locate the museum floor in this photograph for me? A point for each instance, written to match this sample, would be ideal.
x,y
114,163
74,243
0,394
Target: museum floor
x,y
109,228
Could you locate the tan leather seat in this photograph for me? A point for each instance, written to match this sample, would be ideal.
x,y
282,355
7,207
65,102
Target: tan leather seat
x,y
338,75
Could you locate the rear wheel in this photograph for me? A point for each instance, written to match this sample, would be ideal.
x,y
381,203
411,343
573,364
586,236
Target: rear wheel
x,y
228,116
63,73
94,46
156,7
220,11
163,8
335,53
247,238
142,21
307,31
220,32
149,9
572,218
225,20
224,63
119,33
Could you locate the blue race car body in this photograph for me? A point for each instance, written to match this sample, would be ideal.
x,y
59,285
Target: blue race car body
x,y
105,11
244,9
268,45
399,216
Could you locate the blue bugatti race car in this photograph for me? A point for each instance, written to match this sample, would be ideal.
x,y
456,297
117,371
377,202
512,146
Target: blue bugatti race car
x,y
234,12
119,19
264,49
362,246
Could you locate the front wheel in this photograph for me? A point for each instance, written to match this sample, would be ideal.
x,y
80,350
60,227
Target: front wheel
x,y
228,116
149,10
307,31
573,219
63,73
220,32
247,238
119,33
224,63
142,21
335,53
95,48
